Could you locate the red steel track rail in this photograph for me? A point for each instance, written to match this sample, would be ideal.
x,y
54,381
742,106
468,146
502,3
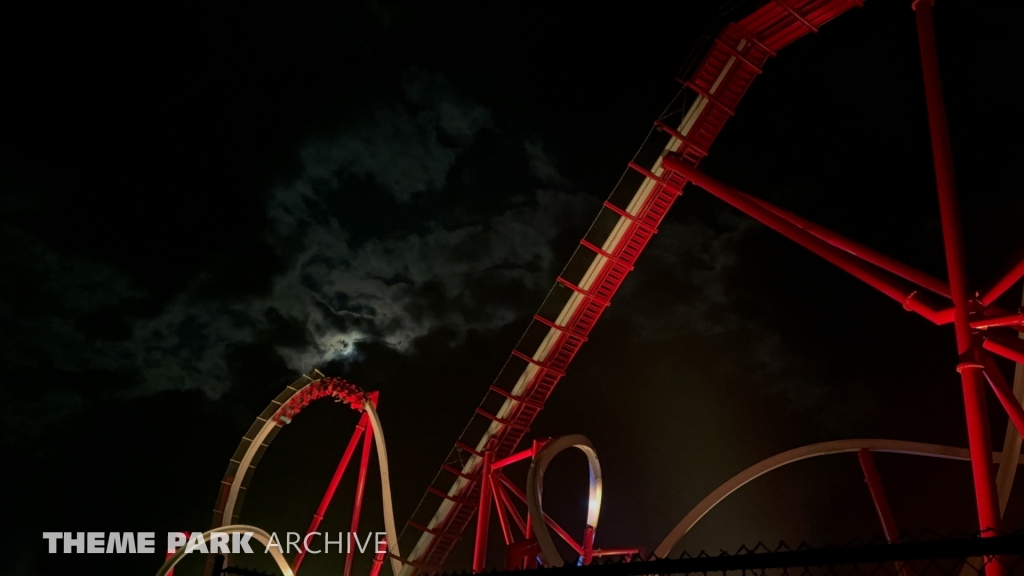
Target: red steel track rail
x,y
605,256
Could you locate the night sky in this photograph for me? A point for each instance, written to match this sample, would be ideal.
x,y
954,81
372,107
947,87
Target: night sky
x,y
197,204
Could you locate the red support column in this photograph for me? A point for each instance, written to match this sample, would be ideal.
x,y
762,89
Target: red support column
x,y
952,235
483,518
331,488
882,281
1003,392
357,508
169,554
378,559
588,545
1004,283
869,255
1005,347
874,482
506,528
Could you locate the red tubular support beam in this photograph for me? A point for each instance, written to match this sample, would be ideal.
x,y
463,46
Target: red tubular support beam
x,y
580,291
466,448
501,421
445,495
709,97
1006,320
874,482
869,255
797,15
547,519
645,172
588,545
514,398
1004,392
631,218
357,508
528,453
535,362
506,530
457,472
882,281
1004,284
938,316
693,148
438,533
378,559
615,552
503,498
169,554
1011,348
565,535
512,487
483,512
331,488
989,518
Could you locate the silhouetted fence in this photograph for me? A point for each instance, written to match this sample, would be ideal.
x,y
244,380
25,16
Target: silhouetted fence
x,y
946,557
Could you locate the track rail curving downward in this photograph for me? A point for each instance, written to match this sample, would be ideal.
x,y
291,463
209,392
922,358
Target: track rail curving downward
x,y
802,453
535,491
291,401
260,535
299,394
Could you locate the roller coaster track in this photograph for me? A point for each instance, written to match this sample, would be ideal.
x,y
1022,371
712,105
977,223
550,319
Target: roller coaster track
x,y
623,227
286,406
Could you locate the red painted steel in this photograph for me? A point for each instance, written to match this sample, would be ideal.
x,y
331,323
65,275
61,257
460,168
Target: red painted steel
x,y
512,512
725,73
378,558
523,455
332,487
874,482
357,508
980,443
869,255
1003,391
483,516
1001,321
588,545
169,553
891,286
495,489
576,546
1004,284
1011,348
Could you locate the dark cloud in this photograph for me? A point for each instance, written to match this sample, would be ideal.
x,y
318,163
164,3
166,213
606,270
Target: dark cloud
x,y
48,297
335,292
405,147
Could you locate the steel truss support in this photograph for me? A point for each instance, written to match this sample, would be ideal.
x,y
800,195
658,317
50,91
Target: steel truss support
x,y
952,235
1003,391
874,482
495,486
332,487
483,514
364,432
890,277
1011,442
896,288
357,507
1004,284
878,259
